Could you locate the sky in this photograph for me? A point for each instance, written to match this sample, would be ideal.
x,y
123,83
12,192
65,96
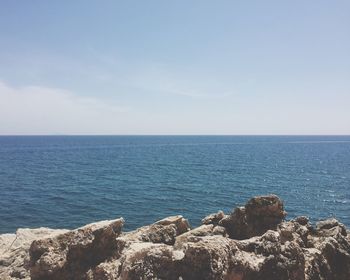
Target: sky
x,y
174,67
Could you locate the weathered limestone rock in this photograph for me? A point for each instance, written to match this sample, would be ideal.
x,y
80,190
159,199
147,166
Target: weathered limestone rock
x,y
281,260
72,254
327,227
163,231
195,234
180,223
213,218
252,243
256,217
108,270
14,251
331,242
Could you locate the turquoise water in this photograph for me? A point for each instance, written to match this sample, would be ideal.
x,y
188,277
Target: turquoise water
x,y
68,181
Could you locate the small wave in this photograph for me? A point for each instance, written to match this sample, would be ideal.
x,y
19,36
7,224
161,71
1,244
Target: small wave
x,y
317,142
345,201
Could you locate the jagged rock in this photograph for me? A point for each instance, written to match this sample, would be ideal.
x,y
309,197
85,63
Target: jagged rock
x,y
281,260
147,261
213,218
214,257
210,258
330,241
108,270
252,243
302,220
14,251
134,245
70,255
206,259
163,231
327,227
180,223
203,230
256,217
294,231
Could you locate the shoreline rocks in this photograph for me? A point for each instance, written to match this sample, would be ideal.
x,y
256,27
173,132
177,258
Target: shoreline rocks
x,y
14,251
252,242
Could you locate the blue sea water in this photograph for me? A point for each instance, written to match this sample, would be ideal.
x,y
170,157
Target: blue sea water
x,y
69,181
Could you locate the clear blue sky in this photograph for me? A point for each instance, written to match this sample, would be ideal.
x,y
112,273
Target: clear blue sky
x,y
175,67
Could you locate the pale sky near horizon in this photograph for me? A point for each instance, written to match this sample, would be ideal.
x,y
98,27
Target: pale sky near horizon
x,y
175,67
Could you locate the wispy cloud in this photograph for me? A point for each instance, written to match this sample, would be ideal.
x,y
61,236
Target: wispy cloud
x,y
161,79
110,72
42,110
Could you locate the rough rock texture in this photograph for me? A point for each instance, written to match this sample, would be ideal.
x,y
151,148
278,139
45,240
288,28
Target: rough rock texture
x,y
14,251
253,242
256,217
163,231
72,254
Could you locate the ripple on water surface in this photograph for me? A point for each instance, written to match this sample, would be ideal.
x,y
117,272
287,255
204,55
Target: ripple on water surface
x,y
68,181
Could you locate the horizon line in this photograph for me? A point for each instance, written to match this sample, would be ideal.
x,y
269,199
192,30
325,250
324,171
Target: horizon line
x,y
97,135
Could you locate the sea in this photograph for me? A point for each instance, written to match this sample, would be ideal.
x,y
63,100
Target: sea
x,y
69,181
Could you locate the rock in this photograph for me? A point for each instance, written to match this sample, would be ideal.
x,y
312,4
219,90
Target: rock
x,y
331,242
207,259
213,218
147,261
108,270
14,251
214,257
326,227
256,217
70,255
316,266
210,258
203,230
180,223
302,220
330,259
293,231
163,231
254,242
145,241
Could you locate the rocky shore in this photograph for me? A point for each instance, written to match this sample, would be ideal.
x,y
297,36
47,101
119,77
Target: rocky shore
x,y
253,242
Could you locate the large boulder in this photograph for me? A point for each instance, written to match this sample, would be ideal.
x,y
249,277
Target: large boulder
x,y
260,214
72,254
14,251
